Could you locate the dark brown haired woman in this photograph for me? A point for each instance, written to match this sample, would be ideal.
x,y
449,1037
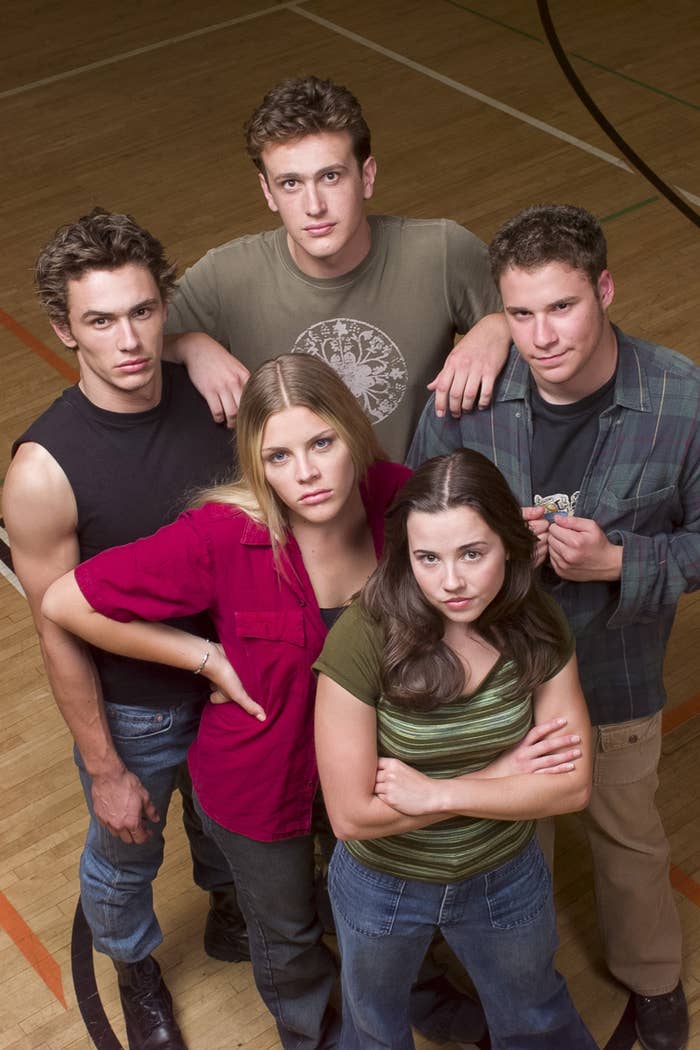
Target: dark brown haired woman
x,y
441,667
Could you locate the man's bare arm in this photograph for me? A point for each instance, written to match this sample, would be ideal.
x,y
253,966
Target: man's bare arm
x,y
41,518
472,367
217,374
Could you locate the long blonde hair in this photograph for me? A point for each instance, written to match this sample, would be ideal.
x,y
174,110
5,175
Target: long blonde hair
x,y
289,381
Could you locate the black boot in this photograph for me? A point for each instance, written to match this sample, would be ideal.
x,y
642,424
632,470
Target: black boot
x,y
662,1020
148,1007
225,935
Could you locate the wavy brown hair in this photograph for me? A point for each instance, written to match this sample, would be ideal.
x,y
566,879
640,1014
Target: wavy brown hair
x,y
419,669
101,240
306,106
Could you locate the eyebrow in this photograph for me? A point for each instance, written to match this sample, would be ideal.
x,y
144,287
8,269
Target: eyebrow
x,y
328,432
548,306
106,313
283,176
462,547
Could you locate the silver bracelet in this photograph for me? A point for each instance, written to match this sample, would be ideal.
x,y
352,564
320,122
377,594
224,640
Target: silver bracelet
x,y
203,661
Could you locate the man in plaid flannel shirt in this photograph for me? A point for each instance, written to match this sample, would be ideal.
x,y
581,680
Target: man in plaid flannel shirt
x,y
598,435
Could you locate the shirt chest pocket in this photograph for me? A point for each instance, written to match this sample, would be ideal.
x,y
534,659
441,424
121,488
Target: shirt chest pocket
x,y
273,646
647,513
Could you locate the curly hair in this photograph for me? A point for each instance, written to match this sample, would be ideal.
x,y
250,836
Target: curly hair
x,y
99,241
419,670
546,233
306,106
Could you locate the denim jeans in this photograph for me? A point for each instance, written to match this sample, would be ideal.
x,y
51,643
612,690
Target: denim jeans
x,y
116,877
499,924
294,971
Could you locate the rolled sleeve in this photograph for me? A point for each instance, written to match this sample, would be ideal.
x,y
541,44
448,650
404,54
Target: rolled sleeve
x,y
169,574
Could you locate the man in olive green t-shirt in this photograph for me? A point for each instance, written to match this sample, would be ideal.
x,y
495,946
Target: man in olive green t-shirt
x,y
380,298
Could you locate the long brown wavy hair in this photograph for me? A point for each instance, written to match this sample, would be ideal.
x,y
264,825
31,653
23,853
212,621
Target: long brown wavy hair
x,y
419,669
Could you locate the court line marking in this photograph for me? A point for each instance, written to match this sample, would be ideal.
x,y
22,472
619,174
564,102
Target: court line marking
x,y
11,578
5,569
575,54
478,96
681,713
685,884
32,949
37,347
294,7
630,207
122,56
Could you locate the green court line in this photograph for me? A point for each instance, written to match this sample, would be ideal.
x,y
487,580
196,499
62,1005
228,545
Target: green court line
x,y
575,54
634,80
496,21
625,211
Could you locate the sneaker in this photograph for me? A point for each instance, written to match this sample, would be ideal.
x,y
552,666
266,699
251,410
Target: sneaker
x,y
661,1021
148,1007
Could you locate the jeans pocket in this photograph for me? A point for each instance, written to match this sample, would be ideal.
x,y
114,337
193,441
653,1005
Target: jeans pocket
x,y
367,901
517,891
137,723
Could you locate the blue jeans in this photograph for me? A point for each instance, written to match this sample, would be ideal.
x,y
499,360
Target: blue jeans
x,y
499,924
116,877
294,971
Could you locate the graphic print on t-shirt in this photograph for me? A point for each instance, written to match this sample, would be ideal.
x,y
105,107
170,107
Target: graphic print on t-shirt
x,y
557,503
365,358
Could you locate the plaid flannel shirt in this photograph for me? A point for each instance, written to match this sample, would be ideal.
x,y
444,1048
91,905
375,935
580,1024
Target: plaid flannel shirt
x,y
641,486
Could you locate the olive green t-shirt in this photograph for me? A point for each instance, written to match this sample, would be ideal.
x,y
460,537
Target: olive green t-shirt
x,y
452,739
386,326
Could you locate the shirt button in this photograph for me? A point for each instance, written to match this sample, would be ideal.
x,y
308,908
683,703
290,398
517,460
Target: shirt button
x,y
634,738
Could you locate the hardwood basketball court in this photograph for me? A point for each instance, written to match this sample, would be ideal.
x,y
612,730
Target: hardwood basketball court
x,y
139,107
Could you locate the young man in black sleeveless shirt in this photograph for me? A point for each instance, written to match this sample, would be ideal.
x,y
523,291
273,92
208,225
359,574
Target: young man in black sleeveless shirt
x,y
112,460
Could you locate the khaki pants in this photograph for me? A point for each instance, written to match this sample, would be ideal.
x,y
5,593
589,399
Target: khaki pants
x,y
636,911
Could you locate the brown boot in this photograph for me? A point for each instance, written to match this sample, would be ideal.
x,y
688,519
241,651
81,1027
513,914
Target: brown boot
x,y
148,1007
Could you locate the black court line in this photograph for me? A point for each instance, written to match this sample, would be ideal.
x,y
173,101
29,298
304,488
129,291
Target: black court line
x,y
5,555
86,991
610,130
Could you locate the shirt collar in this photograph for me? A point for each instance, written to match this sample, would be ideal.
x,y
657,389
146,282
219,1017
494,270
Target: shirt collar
x,y
631,386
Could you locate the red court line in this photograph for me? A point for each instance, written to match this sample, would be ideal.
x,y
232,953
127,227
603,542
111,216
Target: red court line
x,y
685,885
678,716
39,348
32,949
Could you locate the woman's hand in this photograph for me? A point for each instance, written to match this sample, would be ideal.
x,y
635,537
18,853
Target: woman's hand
x,y
228,689
405,789
545,749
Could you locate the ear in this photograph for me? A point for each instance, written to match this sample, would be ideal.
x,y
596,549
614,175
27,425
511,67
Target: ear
x,y
369,174
64,334
266,192
606,289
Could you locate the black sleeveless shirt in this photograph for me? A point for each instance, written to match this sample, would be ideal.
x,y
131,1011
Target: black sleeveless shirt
x,y
131,473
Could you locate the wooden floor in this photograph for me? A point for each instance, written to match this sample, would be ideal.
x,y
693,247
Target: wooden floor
x,y
138,107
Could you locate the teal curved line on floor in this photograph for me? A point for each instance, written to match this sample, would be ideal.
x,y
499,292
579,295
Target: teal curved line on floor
x,y
574,54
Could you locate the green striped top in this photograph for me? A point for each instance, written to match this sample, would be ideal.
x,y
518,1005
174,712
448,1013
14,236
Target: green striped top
x,y
452,739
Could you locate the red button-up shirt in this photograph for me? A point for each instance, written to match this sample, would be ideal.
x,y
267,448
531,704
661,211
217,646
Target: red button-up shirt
x,y
255,778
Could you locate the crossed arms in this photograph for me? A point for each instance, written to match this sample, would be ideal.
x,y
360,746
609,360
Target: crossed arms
x,y
369,796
